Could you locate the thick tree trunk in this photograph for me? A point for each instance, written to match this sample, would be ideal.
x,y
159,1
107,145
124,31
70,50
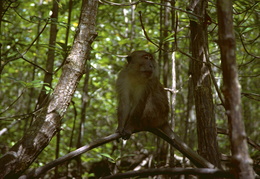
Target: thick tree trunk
x,y
47,121
206,125
242,163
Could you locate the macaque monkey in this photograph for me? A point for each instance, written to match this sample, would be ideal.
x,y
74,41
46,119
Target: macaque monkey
x,y
143,104
142,101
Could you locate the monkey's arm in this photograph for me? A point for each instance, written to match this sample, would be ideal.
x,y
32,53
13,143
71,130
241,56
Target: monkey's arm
x,y
129,115
123,101
132,122
167,134
122,113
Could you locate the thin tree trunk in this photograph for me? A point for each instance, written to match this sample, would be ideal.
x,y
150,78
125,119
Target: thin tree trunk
x,y
81,129
1,18
242,163
173,27
51,54
189,110
206,125
47,121
32,91
162,146
57,152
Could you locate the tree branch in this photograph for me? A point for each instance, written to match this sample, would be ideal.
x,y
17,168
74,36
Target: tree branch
x,y
39,171
173,171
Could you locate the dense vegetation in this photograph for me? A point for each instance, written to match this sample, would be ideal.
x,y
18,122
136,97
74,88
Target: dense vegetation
x,y
26,53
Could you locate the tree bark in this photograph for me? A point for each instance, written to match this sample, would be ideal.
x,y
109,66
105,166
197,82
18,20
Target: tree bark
x,y
242,163
206,125
48,119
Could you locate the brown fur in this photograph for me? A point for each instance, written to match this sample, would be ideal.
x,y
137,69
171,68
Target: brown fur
x,y
142,101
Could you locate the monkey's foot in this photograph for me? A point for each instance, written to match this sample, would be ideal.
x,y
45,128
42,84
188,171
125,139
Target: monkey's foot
x,y
124,134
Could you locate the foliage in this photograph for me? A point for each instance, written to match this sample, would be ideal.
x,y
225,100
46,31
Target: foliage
x,y
24,47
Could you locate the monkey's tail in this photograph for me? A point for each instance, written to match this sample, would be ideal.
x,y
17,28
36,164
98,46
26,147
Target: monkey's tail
x,y
173,139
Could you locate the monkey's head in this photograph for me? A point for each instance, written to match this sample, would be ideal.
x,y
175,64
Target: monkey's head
x,y
141,63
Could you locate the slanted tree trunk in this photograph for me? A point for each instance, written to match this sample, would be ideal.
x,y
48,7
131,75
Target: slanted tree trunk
x,y
48,120
206,125
241,161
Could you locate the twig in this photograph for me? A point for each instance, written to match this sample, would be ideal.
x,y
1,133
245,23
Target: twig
x,y
21,55
119,4
246,48
47,21
251,142
212,76
253,96
145,33
178,9
8,107
149,2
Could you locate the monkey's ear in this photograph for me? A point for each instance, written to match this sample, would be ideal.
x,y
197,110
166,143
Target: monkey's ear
x,y
128,58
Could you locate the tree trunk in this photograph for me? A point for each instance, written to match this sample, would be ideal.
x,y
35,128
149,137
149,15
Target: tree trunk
x,y
42,99
242,163
47,121
206,125
83,110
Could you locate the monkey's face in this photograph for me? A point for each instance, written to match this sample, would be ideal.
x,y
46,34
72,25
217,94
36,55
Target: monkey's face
x,y
142,64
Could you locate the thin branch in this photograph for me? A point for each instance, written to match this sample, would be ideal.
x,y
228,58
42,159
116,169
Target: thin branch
x,y
5,129
38,171
250,7
246,48
175,8
145,33
213,77
15,10
8,107
47,22
249,141
172,91
19,117
173,171
118,4
249,76
191,57
148,2
5,9
21,55
253,96
244,64
208,63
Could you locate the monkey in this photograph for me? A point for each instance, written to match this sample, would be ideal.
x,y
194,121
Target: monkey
x,y
143,104
142,100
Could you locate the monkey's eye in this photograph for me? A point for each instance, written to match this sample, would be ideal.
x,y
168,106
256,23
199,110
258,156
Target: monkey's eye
x,y
147,57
